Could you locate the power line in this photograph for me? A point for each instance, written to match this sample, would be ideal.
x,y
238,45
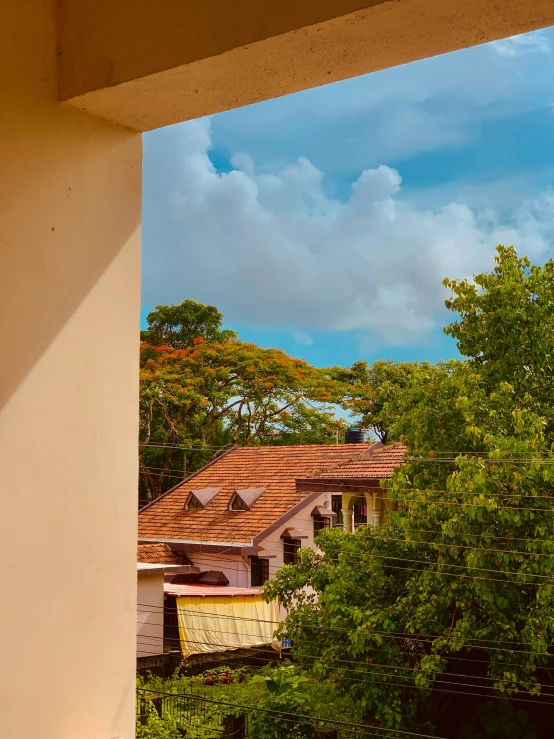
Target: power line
x,y
344,558
326,659
303,717
394,678
449,657
384,634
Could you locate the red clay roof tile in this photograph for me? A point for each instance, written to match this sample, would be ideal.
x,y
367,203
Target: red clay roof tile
x,y
160,554
374,464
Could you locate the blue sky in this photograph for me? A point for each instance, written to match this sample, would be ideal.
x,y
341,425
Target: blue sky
x,y
324,222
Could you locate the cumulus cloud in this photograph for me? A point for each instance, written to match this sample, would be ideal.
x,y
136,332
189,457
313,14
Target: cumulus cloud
x,y
527,43
276,250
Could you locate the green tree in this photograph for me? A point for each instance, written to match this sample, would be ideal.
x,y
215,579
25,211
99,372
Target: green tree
x,y
376,393
466,561
506,326
177,326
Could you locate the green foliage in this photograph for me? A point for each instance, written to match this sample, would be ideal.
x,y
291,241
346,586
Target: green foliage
x,y
466,559
376,393
274,691
287,694
498,721
156,727
177,326
506,326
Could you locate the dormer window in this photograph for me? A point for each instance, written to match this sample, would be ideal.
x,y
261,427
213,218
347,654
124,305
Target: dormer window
x,y
244,499
192,502
238,504
200,497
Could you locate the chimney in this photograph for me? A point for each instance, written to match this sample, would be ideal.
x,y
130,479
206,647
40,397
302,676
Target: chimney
x,y
354,436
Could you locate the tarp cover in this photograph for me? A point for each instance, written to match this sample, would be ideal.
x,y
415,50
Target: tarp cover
x,y
226,622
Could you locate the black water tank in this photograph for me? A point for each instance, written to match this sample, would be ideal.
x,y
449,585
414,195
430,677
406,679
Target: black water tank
x,y
354,436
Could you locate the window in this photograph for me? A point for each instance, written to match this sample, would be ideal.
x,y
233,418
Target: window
x,y
321,522
360,511
193,502
290,551
336,506
238,504
259,571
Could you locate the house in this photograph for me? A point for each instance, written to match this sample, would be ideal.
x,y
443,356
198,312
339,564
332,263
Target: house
x,y
354,485
155,561
243,516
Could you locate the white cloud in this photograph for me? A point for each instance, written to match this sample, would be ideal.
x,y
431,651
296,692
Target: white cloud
x,y
273,250
302,338
527,43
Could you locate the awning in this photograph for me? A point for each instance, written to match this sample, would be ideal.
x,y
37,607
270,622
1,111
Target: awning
x,y
217,624
323,512
293,534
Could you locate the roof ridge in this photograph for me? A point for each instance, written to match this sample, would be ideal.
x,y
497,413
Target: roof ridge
x,y
369,451
298,446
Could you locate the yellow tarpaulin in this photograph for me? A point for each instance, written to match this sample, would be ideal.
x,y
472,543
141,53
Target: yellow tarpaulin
x,y
215,624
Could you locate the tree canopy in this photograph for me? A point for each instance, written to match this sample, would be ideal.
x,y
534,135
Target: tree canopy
x,y
177,326
376,393
463,568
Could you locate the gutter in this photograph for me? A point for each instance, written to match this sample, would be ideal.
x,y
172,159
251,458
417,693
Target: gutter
x,y
243,549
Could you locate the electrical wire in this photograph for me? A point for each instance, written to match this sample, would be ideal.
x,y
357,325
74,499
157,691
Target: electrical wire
x,y
327,659
393,681
296,717
344,558
464,692
382,634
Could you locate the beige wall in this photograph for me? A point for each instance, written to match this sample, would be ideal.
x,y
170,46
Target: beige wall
x,y
150,614
69,312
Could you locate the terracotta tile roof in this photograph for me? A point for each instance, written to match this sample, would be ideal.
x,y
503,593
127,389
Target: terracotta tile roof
x,y
160,554
274,468
375,464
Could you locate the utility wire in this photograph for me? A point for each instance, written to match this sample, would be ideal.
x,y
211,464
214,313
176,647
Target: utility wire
x,y
384,634
303,717
369,665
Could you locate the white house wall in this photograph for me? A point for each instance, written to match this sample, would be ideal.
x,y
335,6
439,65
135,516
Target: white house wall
x,y
150,614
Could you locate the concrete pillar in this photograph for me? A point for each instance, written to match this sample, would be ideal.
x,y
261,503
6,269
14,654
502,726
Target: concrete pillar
x,y
369,506
69,321
377,514
348,520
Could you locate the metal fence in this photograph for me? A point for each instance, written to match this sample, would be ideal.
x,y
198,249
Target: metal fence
x,y
189,711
